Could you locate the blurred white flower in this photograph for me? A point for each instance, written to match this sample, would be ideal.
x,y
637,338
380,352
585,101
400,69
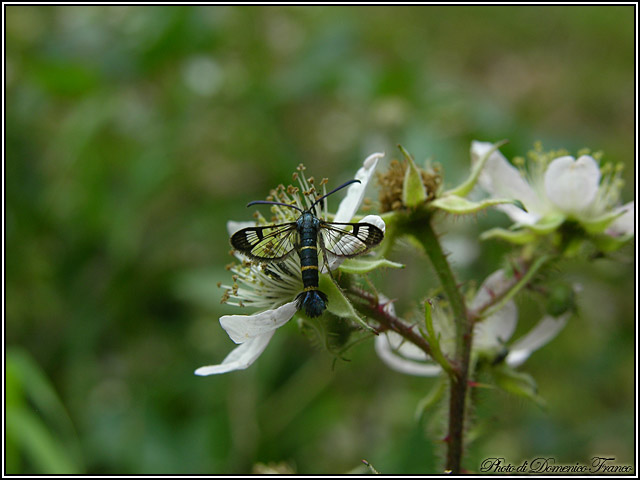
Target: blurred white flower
x,y
554,190
273,287
490,335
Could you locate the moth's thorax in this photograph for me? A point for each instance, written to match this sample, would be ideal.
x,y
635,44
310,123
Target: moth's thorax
x,y
307,223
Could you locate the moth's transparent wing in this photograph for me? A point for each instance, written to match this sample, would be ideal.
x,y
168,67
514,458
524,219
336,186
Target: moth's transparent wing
x,y
348,240
270,243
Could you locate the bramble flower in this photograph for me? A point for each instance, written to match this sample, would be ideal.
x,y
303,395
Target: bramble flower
x,y
553,189
272,288
406,186
491,336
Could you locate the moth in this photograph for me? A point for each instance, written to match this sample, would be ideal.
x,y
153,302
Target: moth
x,y
274,243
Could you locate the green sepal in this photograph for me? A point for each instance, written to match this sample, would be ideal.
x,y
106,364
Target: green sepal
x,y
433,339
414,192
464,188
460,205
547,224
518,237
601,223
433,398
607,243
360,266
518,383
339,304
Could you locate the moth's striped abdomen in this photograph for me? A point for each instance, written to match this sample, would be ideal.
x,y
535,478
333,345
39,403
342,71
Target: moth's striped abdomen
x,y
306,236
312,300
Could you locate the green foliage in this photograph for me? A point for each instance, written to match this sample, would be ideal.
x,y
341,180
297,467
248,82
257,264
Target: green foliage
x,y
134,133
38,425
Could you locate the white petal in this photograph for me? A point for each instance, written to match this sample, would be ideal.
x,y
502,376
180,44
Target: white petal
x,y
396,362
233,227
405,349
540,335
374,220
462,250
333,262
518,215
493,284
239,358
503,180
242,328
498,328
572,184
625,223
355,193
495,330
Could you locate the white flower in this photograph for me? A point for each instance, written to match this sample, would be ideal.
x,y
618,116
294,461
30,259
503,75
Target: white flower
x,y
272,287
625,223
252,333
490,335
552,191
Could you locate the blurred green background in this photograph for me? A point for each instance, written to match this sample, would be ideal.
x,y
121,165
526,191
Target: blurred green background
x,y
134,133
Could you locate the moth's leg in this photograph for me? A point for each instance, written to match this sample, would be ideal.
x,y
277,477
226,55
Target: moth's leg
x,y
325,258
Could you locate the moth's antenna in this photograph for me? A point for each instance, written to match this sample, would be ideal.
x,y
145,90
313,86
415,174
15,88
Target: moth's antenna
x,y
267,202
334,191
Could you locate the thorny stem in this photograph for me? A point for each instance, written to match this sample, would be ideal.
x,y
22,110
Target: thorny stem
x,y
464,322
464,338
419,224
373,309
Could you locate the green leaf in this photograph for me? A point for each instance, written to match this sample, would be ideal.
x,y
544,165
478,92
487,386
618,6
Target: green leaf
x,y
44,434
38,443
362,266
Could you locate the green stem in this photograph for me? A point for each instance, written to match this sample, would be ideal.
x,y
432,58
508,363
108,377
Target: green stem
x,y
419,224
